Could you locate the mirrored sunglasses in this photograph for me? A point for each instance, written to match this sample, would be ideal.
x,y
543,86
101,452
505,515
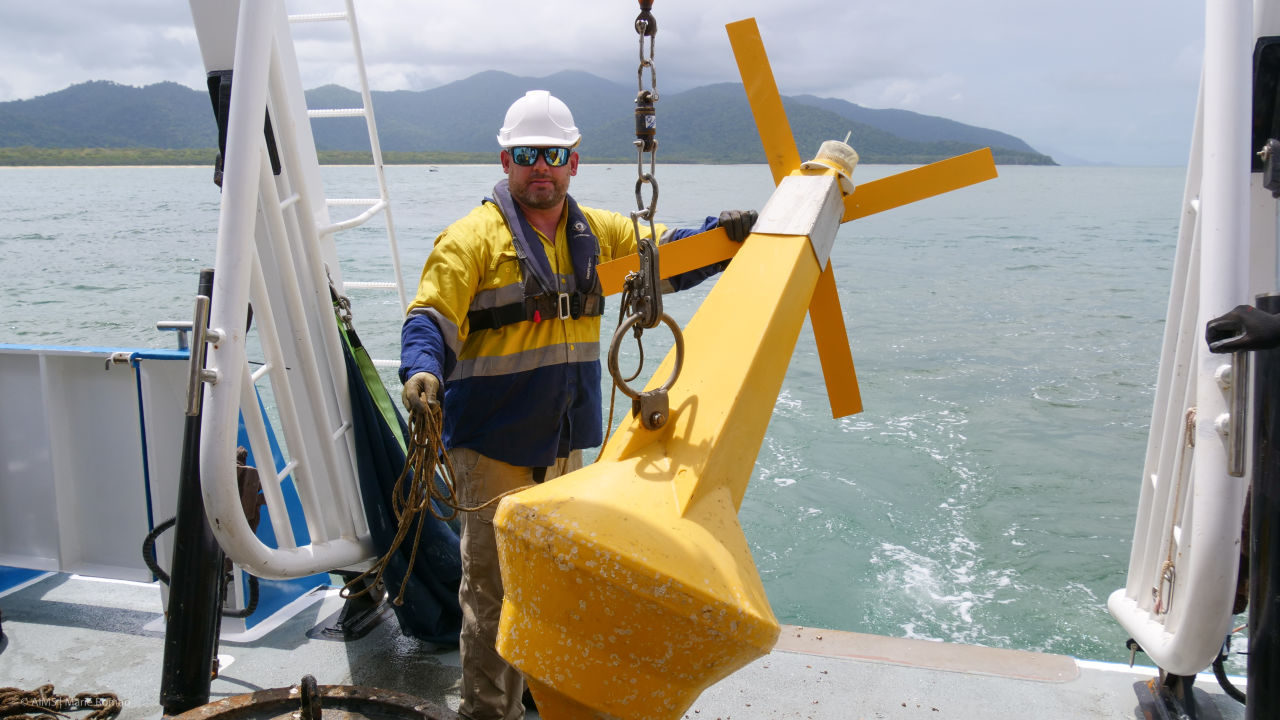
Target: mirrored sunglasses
x,y
527,156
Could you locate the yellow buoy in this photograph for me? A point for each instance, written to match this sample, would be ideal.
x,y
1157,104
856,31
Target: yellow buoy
x,y
629,585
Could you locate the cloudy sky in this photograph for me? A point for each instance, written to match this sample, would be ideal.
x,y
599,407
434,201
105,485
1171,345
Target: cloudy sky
x,y
1098,80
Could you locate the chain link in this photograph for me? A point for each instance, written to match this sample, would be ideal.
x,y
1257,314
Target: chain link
x,y
647,297
641,306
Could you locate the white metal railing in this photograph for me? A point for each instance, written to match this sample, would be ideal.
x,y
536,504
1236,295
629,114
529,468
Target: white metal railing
x,y
1183,564
275,254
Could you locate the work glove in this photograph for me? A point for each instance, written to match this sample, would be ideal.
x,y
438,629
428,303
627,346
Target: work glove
x,y
1243,328
737,223
422,393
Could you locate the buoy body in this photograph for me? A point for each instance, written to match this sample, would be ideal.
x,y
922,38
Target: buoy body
x,y
630,587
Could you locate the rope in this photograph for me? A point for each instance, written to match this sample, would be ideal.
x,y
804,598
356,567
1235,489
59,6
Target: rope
x,y
628,287
42,704
417,490
425,430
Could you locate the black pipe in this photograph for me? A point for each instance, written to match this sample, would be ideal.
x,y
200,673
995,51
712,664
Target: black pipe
x,y
1264,534
195,595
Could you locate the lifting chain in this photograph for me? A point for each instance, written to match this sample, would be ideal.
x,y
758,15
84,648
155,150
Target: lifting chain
x,y
641,306
647,295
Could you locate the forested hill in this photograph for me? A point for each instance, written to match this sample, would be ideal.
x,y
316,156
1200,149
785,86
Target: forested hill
x,y
706,124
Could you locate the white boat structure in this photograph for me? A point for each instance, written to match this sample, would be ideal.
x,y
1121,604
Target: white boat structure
x,y
80,608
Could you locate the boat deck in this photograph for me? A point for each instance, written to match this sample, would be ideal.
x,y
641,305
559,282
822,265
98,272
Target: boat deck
x,y
88,635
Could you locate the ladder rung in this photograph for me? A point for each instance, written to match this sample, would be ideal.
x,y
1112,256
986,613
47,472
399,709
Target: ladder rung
x,y
336,113
343,429
356,221
386,363
257,374
317,17
352,201
368,285
287,469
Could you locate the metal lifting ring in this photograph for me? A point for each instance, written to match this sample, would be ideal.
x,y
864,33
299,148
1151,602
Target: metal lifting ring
x,y
617,341
651,405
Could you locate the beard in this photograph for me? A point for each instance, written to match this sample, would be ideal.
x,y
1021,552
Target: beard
x,y
540,196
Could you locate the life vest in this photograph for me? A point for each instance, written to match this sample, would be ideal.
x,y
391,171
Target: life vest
x,y
541,299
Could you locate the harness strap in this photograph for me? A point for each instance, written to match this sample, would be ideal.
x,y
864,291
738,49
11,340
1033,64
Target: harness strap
x,y
536,309
533,261
540,302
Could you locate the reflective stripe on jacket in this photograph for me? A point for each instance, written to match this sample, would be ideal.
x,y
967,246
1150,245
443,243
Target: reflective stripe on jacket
x,y
528,392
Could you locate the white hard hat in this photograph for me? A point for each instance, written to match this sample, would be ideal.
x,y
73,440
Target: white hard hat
x,y
538,119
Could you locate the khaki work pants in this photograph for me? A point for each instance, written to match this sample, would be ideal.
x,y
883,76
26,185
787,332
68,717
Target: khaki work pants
x,y
491,687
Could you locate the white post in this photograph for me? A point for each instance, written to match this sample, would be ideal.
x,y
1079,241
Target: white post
x,y
1224,283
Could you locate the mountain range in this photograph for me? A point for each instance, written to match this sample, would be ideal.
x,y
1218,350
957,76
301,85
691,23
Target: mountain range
x,y
711,123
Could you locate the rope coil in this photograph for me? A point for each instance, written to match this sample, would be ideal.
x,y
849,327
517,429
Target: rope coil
x,y
412,494
425,484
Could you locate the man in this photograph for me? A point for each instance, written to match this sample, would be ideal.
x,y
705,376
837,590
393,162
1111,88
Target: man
x,y
508,315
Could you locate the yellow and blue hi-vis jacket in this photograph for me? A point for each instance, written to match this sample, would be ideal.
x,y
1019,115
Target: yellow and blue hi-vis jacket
x,y
528,391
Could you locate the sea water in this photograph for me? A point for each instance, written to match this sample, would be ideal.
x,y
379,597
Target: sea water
x,y
1006,339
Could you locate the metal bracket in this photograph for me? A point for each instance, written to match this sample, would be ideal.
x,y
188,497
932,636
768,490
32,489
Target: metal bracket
x,y
1171,697
652,407
1238,427
809,205
647,299
196,374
